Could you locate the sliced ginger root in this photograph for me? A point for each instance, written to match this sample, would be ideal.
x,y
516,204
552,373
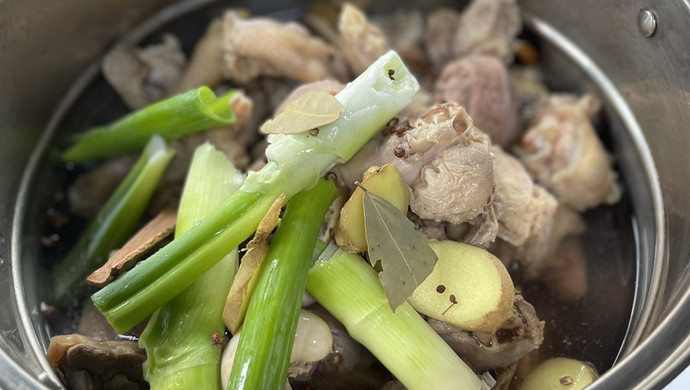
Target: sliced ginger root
x,y
469,288
560,373
384,182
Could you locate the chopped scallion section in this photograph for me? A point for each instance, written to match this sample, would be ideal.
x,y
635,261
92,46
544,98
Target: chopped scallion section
x,y
186,355
195,110
263,353
114,223
295,163
350,290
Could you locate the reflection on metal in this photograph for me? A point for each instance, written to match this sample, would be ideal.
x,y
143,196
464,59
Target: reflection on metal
x,y
649,275
646,23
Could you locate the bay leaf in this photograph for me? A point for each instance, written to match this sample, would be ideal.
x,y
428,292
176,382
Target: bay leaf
x,y
308,112
243,285
405,257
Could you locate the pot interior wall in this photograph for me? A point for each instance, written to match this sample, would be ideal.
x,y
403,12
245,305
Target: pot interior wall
x,y
599,328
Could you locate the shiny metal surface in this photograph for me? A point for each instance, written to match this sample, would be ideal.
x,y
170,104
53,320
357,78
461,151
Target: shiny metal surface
x,y
653,77
646,23
644,79
637,164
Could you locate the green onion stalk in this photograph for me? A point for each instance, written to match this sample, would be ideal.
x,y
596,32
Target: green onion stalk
x,y
349,288
295,163
114,224
182,352
172,118
263,353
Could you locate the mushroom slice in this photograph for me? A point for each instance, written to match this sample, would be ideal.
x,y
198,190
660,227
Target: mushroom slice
x,y
82,361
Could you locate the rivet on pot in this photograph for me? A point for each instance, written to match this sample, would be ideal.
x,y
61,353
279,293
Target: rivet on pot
x,y
646,23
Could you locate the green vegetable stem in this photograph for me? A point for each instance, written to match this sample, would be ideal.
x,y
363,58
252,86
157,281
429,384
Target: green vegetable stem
x,y
179,338
172,118
263,353
295,163
115,222
350,290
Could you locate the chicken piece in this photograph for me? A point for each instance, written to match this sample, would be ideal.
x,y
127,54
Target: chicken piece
x,y
226,138
532,97
126,73
447,162
441,156
439,35
488,27
479,232
143,76
361,42
480,84
533,254
522,207
265,47
166,62
454,186
563,153
516,337
206,64
322,19
590,104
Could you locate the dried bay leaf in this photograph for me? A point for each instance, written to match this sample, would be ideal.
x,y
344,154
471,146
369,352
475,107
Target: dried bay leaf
x,y
243,285
403,251
309,111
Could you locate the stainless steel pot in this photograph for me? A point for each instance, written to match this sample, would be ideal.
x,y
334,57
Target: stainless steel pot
x,y
633,54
